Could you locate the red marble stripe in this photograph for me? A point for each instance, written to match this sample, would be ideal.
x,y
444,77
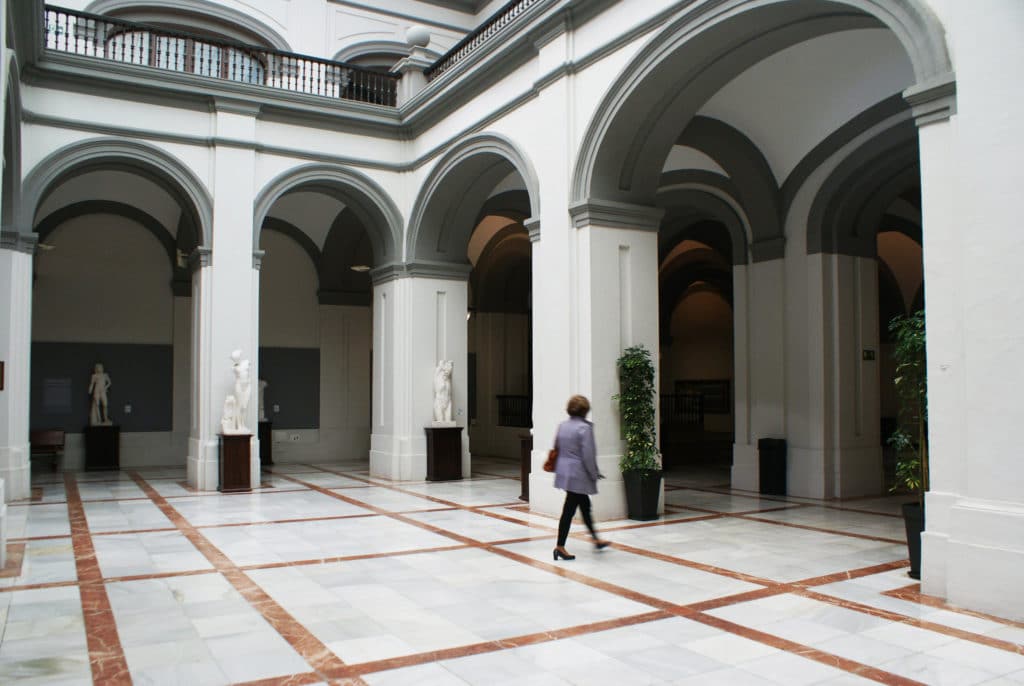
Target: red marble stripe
x,y
350,558
316,654
711,569
852,574
505,643
981,639
106,656
834,532
757,594
282,521
851,666
294,680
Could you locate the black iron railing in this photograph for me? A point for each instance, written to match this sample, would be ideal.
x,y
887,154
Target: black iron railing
x,y
682,411
92,35
498,21
515,410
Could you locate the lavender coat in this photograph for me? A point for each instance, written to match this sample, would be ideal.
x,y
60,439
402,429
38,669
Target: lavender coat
x,y
576,468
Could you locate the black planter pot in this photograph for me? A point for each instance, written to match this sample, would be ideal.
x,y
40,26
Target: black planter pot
x,y
913,520
643,490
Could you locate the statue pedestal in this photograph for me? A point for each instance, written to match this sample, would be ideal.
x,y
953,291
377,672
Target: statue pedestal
x,y
444,453
234,463
265,434
102,448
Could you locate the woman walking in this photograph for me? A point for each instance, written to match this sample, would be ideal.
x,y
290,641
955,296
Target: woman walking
x,y
576,472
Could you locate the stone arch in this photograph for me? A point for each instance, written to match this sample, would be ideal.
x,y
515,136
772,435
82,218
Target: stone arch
x,y
368,201
748,170
109,153
451,197
375,47
217,15
705,46
51,221
850,204
696,195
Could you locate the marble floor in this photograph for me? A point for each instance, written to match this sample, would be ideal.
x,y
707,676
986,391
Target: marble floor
x,y
325,575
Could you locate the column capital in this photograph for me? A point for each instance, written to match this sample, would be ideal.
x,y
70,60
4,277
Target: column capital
x,y
201,257
933,101
532,228
615,215
421,268
12,239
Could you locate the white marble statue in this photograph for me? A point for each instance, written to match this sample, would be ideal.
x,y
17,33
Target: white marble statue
x,y
238,402
263,408
443,394
99,383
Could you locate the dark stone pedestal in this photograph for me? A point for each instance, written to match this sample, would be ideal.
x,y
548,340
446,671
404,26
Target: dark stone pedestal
x,y
525,451
234,463
444,453
102,448
265,434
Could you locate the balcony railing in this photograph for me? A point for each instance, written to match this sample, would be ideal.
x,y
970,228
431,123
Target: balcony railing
x,y
91,35
498,21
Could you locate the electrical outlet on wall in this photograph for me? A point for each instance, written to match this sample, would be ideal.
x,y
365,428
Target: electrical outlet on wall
x,y
294,438
127,409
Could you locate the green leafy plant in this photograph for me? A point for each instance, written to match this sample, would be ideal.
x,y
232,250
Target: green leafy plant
x,y
910,439
636,407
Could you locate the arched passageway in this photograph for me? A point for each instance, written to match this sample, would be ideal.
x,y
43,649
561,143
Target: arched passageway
x,y
117,225
783,125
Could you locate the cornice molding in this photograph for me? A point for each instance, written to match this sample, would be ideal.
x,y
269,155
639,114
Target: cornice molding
x,y
422,269
934,101
199,258
532,228
615,215
12,239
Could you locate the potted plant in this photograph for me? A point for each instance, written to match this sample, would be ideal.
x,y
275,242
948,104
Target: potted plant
x,y
910,439
640,465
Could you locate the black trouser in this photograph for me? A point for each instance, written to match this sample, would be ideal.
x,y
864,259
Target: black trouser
x,y
572,501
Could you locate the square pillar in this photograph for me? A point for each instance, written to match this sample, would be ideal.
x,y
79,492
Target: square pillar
x,y
419,318
15,353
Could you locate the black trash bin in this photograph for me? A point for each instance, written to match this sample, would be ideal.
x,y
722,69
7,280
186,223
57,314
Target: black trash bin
x,y
772,465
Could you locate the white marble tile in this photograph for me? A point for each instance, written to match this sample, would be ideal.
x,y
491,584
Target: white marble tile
x,y
125,515
45,561
261,507
147,553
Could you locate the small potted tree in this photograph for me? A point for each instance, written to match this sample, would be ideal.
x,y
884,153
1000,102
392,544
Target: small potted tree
x,y
910,439
640,466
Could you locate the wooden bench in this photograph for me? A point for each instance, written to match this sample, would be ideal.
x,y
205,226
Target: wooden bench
x,y
48,443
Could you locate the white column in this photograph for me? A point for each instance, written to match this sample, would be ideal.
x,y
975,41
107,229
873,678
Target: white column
x,y
973,546
614,307
15,352
417,321
225,299
182,366
760,382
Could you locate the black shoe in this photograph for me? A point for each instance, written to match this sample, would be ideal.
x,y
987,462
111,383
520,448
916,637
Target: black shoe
x,y
559,554
601,545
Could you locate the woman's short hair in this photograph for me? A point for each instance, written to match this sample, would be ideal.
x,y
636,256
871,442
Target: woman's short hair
x,y
578,406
